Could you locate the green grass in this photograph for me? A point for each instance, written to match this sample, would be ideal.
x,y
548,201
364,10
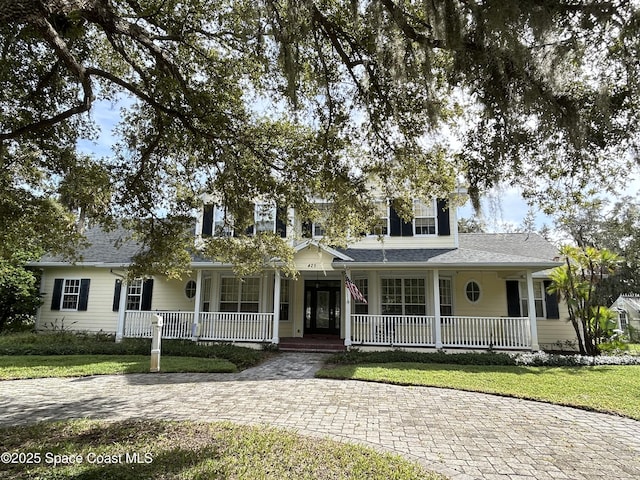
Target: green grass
x,y
38,366
611,389
185,450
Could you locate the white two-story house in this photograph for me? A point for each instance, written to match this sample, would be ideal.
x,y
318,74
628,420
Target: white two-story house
x,y
410,284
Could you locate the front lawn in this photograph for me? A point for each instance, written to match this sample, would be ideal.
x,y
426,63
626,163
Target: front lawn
x,y
38,366
133,450
612,389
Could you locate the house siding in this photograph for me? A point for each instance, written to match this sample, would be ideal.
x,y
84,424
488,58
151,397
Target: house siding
x,y
98,316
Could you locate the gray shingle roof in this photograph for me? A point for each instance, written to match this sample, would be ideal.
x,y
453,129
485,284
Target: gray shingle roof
x,y
477,249
115,247
484,249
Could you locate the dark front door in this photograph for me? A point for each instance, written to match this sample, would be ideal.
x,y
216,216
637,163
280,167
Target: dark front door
x,y
322,307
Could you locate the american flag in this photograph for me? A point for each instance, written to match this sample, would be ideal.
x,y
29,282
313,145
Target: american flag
x,y
355,292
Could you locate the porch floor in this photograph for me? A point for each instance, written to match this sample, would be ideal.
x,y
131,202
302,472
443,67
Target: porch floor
x,y
312,343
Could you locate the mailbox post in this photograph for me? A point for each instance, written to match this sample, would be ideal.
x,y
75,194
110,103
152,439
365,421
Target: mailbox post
x,y
156,336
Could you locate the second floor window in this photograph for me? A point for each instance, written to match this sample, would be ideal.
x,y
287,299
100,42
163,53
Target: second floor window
x,y
265,217
425,217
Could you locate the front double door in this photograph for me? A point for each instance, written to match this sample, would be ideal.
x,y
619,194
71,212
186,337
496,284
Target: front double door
x,y
322,307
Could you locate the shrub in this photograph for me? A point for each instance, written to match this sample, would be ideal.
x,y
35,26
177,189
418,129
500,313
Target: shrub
x,y
67,343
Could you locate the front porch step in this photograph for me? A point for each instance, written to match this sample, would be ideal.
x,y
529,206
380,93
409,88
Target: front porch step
x,y
323,345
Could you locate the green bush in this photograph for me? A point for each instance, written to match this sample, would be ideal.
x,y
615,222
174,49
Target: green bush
x,y
484,358
67,343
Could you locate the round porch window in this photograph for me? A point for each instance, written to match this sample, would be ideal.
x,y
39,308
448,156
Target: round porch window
x,y
190,289
473,291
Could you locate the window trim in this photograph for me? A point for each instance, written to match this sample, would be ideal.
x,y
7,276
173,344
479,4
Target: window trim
x,y
434,217
272,211
466,291
440,290
65,294
524,295
137,281
240,282
403,294
384,219
285,298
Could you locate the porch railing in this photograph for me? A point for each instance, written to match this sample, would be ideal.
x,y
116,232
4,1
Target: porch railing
x,y
393,330
381,330
420,331
175,324
245,326
218,326
486,332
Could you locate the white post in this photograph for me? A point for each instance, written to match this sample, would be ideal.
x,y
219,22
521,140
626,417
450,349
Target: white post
x,y
436,307
347,310
531,302
156,337
124,290
196,307
276,307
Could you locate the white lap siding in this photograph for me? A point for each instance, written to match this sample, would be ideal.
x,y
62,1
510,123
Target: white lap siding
x,y
100,314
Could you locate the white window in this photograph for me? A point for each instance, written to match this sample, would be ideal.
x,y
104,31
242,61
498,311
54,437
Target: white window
x,y
206,294
265,217
357,306
424,220
134,295
70,294
222,222
446,297
538,296
403,296
317,227
382,218
624,321
238,295
285,286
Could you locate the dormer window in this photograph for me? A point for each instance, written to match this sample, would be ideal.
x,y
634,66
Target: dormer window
x,y
424,217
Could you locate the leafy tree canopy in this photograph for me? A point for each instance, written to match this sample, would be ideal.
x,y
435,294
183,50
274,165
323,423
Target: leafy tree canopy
x,y
286,100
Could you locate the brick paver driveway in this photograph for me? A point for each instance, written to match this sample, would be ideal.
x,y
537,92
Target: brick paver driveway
x,y
464,435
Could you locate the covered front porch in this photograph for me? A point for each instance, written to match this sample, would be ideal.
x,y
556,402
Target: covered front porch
x,y
501,333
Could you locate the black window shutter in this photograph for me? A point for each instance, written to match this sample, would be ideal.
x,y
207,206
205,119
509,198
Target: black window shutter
x,y
513,298
281,222
444,227
398,227
83,298
306,230
116,295
551,300
57,294
207,221
395,223
147,293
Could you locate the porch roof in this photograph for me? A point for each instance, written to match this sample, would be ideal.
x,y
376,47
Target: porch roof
x,y
475,250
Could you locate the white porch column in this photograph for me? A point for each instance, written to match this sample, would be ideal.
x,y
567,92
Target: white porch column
x,y
347,310
436,307
531,302
124,289
196,306
276,307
